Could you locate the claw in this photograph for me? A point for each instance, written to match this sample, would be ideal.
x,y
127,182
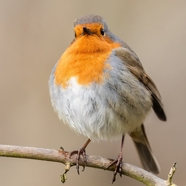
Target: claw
x,y
81,152
118,161
118,167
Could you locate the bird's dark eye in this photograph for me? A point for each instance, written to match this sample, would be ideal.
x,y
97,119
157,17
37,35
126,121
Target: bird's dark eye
x,y
74,34
102,32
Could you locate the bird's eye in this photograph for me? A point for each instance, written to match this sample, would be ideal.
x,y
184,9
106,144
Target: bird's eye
x,y
75,34
102,32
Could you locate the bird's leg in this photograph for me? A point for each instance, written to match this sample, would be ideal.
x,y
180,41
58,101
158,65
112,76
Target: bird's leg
x,y
80,152
118,162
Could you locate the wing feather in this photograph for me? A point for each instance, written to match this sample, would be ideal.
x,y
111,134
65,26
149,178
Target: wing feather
x,y
134,65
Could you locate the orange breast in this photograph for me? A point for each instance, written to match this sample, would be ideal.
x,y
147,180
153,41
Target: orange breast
x,y
84,59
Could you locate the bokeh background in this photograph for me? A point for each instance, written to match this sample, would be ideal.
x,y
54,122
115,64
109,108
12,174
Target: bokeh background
x,y
34,34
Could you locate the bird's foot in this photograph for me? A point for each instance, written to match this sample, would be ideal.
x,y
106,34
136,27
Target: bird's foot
x,y
118,167
80,152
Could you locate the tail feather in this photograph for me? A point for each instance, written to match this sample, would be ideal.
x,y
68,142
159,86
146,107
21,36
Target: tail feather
x,y
144,150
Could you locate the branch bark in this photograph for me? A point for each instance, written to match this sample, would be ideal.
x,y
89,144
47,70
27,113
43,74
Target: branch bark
x,y
62,156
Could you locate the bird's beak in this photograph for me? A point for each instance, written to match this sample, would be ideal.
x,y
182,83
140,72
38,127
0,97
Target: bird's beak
x,y
86,31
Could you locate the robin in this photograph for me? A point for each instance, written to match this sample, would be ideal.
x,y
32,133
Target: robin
x,y
101,90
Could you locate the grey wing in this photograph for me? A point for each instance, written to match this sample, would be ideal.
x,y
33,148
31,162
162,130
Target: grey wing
x,y
132,62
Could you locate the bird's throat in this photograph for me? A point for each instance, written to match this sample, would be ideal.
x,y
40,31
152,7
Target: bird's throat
x,y
85,59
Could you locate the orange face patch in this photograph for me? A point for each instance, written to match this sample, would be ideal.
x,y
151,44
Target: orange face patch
x,y
85,58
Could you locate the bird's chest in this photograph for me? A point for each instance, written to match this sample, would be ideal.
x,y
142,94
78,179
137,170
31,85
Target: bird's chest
x,y
85,59
105,109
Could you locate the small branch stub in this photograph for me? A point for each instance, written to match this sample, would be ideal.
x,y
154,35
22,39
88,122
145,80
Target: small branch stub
x,y
63,176
171,174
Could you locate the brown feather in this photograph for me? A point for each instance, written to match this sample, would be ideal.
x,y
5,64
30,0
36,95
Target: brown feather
x,y
144,150
134,65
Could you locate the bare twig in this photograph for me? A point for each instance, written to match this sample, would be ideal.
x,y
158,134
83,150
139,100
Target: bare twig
x,y
62,156
171,174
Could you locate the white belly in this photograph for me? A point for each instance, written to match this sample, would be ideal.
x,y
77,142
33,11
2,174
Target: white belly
x,y
102,111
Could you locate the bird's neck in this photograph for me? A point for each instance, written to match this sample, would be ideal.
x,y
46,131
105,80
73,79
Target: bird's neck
x,y
85,59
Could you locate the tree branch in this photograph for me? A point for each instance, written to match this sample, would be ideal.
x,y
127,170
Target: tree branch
x,y
62,156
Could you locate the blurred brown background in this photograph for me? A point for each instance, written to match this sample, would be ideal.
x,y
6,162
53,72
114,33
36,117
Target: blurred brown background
x,y
34,34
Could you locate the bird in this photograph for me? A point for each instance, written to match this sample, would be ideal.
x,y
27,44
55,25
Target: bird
x,y
100,89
